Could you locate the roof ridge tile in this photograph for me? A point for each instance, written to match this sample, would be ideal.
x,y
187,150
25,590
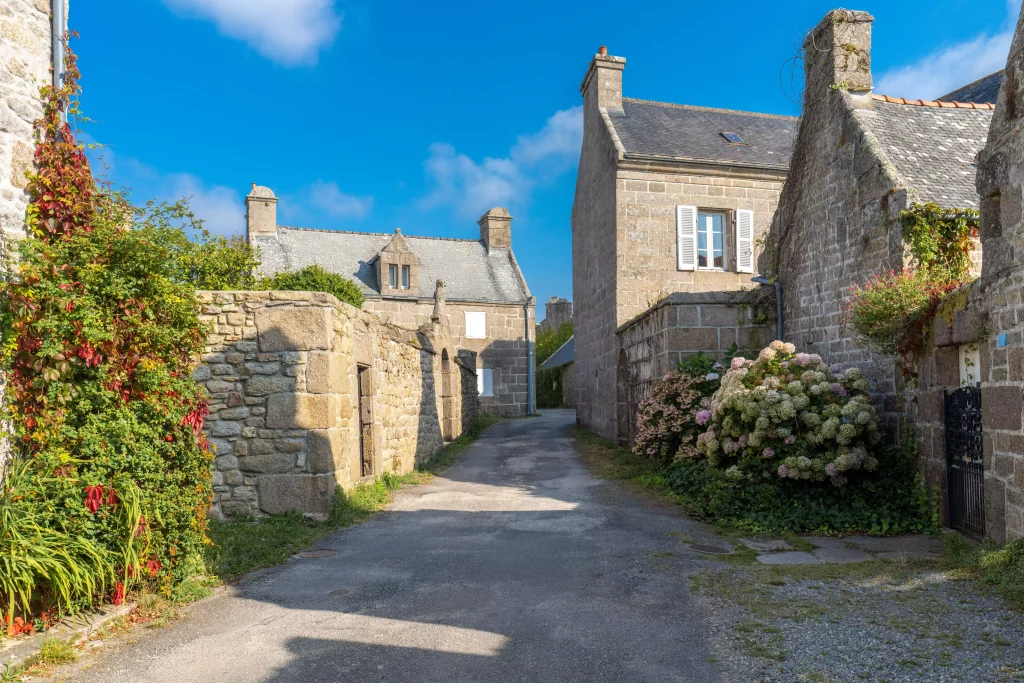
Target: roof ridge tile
x,y
379,234
695,107
932,103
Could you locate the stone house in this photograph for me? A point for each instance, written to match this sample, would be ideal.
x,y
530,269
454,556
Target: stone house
x,y
669,199
308,393
860,159
490,309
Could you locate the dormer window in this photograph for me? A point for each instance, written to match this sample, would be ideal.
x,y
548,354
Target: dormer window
x,y
397,266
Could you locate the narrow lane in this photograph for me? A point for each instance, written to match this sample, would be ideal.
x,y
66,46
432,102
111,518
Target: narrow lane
x,y
516,565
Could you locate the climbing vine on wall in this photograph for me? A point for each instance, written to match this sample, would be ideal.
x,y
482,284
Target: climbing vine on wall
x,y
894,311
101,332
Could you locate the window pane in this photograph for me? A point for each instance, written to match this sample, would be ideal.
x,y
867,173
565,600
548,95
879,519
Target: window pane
x,y
405,277
702,240
393,276
476,325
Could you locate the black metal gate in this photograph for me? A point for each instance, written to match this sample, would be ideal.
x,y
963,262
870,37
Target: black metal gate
x,y
965,470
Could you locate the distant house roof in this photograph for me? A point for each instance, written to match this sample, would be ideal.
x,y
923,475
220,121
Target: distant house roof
x,y
932,147
469,271
982,90
565,354
687,133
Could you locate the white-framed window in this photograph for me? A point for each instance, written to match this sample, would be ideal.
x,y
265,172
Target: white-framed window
x,y
476,325
711,240
405,277
393,276
485,381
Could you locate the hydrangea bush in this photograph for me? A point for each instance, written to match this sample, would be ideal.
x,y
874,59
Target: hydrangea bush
x,y
668,421
789,415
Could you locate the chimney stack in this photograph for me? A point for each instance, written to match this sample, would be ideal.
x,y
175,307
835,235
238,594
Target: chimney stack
x,y
602,85
837,55
260,212
496,229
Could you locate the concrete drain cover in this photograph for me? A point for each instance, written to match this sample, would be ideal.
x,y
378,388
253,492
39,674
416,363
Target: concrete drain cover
x,y
711,549
316,554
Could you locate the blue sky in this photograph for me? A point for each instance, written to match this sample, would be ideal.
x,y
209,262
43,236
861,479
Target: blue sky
x,y
374,115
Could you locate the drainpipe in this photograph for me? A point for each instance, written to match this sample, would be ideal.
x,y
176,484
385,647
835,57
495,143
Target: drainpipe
x,y
58,28
761,280
530,377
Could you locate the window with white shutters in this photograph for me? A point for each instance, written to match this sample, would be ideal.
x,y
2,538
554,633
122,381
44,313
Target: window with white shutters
x,y
744,241
686,237
476,325
485,381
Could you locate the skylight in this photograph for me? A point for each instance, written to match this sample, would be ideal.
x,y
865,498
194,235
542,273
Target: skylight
x,y
733,138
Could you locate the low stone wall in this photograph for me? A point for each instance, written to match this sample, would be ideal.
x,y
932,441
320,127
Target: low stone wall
x,y
308,393
680,326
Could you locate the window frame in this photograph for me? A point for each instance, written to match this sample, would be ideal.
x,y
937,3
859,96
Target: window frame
x,y
709,241
393,275
406,277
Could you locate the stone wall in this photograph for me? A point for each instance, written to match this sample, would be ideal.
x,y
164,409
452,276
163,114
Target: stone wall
x,y
308,393
507,349
569,397
25,66
681,326
837,219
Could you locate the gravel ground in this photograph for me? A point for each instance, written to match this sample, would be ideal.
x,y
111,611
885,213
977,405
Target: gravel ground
x,y
878,621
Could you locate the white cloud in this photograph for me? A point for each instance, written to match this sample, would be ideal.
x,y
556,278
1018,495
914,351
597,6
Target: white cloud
x,y
952,67
331,200
221,208
287,31
309,206
472,187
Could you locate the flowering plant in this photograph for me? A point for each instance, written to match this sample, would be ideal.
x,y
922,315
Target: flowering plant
x,y
670,419
790,415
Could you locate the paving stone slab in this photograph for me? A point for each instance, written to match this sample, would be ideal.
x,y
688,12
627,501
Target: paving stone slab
x,y
766,545
842,555
916,545
795,557
825,541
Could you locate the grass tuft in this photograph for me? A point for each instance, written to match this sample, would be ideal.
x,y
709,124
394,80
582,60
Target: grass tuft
x,y
57,651
1001,567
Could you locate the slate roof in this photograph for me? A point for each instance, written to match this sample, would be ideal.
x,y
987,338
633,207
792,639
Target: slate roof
x,y
565,354
470,273
982,90
932,148
682,132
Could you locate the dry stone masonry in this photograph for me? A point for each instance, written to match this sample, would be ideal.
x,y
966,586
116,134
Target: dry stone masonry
x,y
308,393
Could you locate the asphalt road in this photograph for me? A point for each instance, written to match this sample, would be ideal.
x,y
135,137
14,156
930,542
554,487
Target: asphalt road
x,y
516,565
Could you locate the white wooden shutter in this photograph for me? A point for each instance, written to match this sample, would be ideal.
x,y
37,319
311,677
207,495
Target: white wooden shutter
x,y
744,241
686,237
476,325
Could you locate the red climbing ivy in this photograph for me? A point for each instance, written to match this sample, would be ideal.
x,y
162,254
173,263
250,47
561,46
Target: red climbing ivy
x,y
100,336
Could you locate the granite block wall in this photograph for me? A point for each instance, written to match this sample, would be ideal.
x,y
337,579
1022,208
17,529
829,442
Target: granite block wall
x,y
681,326
308,393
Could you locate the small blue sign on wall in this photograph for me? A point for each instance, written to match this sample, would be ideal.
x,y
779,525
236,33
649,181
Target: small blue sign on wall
x,y
1002,340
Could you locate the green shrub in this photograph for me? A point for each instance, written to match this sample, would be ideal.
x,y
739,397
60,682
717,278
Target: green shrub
x,y
887,501
788,415
315,279
549,341
549,387
208,261
666,421
101,334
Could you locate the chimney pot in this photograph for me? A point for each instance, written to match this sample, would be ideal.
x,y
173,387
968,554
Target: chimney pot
x,y
254,186
603,50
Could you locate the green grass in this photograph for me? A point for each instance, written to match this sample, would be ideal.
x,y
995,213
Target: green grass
x,y
57,651
244,545
1000,567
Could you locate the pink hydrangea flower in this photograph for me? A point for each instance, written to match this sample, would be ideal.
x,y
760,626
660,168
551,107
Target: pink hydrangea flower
x,y
838,389
790,440
703,416
737,363
801,359
768,453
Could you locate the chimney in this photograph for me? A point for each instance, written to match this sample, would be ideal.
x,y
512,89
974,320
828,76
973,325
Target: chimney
x,y
496,229
260,212
603,83
837,55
